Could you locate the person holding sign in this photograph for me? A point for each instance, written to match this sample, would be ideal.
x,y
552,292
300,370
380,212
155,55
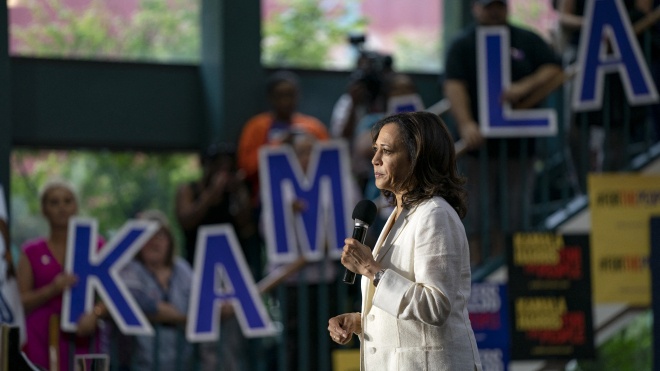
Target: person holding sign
x,y
607,147
533,64
41,281
275,126
416,282
160,282
220,196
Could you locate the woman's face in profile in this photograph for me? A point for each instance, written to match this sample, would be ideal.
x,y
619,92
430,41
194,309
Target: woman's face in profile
x,y
59,205
391,162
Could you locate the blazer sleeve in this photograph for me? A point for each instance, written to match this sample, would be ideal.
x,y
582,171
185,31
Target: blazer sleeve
x,y
439,269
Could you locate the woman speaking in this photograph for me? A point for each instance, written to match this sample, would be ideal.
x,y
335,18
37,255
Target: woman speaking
x,y
416,282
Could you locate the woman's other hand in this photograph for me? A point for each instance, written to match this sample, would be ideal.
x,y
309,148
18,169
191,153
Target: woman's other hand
x,y
343,326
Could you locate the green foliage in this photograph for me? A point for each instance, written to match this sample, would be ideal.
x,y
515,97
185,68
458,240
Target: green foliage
x,y
56,30
529,14
112,187
159,30
300,33
415,56
629,350
303,34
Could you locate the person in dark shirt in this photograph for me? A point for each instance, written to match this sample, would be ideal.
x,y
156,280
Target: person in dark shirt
x,y
533,64
220,196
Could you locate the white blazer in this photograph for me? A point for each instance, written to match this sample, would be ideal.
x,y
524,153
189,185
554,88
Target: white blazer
x,y
418,318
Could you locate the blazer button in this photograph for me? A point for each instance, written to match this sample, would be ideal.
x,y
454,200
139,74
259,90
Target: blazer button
x,y
372,350
371,317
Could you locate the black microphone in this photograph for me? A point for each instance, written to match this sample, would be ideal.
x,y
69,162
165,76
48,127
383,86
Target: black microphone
x,y
363,214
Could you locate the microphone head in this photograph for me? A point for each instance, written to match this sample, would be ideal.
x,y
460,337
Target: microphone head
x,y
365,210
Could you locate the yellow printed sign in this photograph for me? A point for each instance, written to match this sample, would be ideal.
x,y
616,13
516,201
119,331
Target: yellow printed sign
x,y
346,360
550,296
621,206
540,313
536,248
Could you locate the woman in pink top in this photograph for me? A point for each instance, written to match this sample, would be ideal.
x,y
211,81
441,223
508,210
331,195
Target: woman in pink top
x,y
41,281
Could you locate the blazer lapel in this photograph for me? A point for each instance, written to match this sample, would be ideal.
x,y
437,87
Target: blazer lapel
x,y
382,236
398,226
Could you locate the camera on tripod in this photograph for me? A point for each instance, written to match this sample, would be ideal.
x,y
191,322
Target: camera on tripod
x,y
371,66
369,60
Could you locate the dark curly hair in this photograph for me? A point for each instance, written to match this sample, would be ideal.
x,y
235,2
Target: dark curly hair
x,y
433,170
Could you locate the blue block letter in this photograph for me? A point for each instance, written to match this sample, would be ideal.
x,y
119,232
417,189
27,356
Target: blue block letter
x,y
100,270
326,191
498,119
607,27
222,275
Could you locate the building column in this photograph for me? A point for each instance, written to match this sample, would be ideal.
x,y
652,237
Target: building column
x,y
457,14
5,106
232,76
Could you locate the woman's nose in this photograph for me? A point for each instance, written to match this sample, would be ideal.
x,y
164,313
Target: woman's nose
x,y
376,159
